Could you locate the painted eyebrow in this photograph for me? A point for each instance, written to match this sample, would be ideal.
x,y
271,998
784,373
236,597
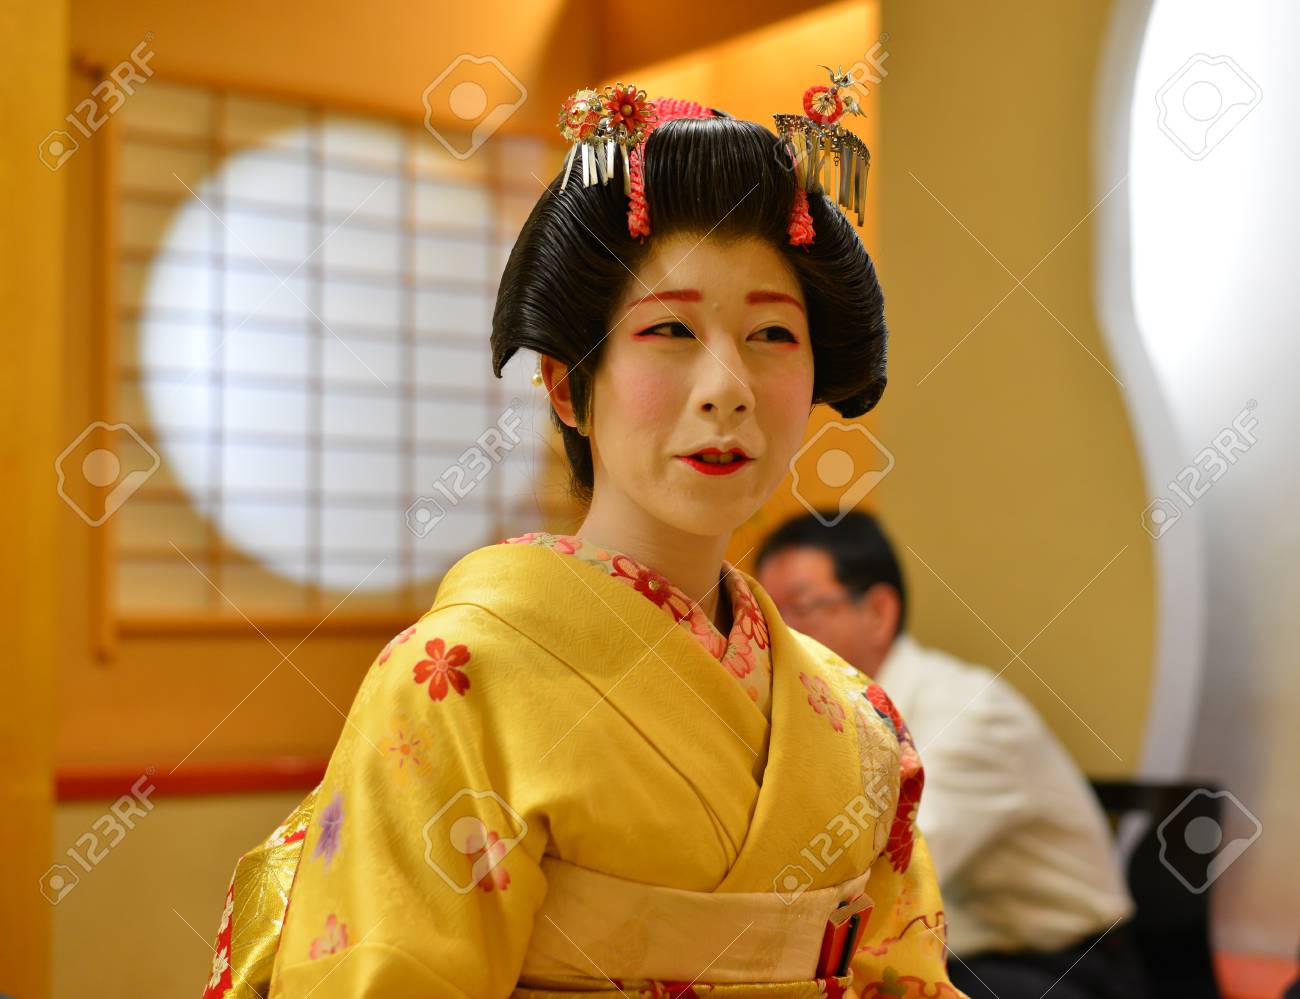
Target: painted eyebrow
x,y
679,295
755,297
693,295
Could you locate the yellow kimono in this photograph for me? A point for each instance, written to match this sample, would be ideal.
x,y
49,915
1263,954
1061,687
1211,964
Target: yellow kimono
x,y
546,787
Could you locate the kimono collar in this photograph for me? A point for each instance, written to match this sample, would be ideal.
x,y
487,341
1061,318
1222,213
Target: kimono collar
x,y
743,651
673,695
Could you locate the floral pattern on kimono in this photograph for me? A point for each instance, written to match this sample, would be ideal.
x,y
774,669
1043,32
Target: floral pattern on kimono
x,y
408,747
220,977
330,821
823,701
255,870
333,940
926,931
744,652
911,780
437,835
395,641
442,669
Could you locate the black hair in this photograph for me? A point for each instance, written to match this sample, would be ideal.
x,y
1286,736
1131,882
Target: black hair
x,y
857,545
721,176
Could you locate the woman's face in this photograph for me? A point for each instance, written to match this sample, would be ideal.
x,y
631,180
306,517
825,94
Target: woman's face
x,y
709,349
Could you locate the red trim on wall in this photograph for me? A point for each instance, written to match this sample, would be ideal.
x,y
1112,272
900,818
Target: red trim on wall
x,y
284,773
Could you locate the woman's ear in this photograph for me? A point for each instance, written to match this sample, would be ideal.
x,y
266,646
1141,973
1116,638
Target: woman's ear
x,y
555,376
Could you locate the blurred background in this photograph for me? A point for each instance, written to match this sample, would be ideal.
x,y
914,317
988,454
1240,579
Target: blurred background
x,y
248,261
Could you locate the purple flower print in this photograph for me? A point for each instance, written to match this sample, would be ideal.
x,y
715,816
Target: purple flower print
x,y
331,828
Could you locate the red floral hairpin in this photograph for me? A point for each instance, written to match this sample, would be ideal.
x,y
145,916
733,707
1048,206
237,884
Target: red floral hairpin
x,y
597,123
826,155
619,118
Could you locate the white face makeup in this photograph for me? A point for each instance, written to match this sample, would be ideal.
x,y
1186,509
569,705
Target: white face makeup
x,y
717,357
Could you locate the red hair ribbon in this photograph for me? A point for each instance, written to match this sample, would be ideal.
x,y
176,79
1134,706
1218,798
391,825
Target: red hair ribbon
x,y
638,212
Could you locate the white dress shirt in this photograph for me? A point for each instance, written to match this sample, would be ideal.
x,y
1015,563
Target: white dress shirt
x,y
1023,851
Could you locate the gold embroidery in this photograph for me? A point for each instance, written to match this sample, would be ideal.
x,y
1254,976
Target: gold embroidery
x,y
263,877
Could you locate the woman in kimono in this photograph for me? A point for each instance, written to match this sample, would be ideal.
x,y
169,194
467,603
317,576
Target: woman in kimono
x,y
601,763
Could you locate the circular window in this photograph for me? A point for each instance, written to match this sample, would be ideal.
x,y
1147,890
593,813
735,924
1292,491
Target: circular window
x,y
313,353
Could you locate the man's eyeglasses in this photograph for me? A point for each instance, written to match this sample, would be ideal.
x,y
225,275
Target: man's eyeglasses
x,y
808,608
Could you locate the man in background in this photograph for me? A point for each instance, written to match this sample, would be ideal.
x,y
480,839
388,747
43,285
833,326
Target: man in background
x,y
1033,893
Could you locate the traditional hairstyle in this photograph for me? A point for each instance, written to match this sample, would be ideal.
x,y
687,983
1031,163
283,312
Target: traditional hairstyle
x,y
717,175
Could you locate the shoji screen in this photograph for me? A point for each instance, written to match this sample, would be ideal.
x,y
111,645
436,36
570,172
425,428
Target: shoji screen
x,y
302,302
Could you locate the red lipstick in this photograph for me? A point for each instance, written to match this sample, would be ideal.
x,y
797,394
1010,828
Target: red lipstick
x,y
697,462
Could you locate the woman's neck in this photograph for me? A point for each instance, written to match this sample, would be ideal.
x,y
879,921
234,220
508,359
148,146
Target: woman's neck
x,y
690,562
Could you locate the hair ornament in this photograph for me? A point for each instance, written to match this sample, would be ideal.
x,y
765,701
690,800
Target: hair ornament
x,y
824,156
827,156
600,122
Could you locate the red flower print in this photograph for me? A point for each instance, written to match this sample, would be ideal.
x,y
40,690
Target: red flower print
x,y
823,701
885,708
485,862
903,830
440,669
749,617
565,543
333,940
395,641
739,657
910,781
707,635
823,105
652,585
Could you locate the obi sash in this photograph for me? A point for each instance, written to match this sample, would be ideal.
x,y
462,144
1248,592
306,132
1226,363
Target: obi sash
x,y
624,930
